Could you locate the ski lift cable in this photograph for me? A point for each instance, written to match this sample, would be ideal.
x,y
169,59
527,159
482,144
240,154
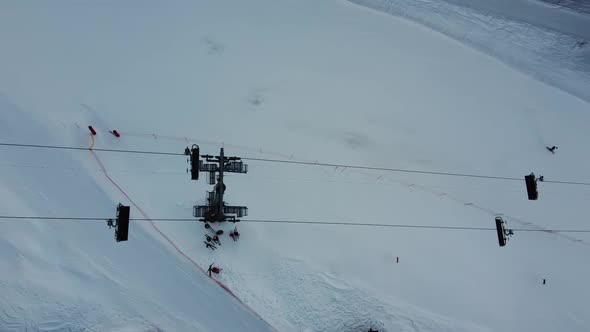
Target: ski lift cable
x,y
88,149
304,222
257,177
387,169
298,162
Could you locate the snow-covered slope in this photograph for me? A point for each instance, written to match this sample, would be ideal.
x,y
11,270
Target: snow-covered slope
x,y
307,80
70,275
544,42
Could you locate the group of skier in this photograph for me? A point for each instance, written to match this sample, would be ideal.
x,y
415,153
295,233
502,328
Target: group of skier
x,y
212,242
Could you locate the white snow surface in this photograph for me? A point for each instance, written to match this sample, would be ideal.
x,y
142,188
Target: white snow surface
x,y
531,36
304,80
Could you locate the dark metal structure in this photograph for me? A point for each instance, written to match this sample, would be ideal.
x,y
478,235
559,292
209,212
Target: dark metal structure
x,y
216,209
121,223
531,186
503,233
195,162
122,227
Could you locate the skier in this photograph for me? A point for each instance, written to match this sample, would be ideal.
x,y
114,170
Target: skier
x,y
371,330
552,149
213,269
234,234
209,245
216,240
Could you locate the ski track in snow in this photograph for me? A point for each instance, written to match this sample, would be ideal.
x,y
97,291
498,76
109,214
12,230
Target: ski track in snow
x,y
56,316
338,306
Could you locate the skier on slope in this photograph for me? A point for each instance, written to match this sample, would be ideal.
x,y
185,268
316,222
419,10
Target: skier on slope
x,y
552,149
234,234
216,240
213,269
210,245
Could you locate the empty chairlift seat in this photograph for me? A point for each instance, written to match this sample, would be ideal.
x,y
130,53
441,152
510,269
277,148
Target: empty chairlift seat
x,y
236,167
500,230
239,211
531,186
200,211
211,178
122,227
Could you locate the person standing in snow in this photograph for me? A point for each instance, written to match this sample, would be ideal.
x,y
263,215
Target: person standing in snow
x,y
234,234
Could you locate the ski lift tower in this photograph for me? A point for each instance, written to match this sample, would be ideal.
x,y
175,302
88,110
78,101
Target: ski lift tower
x,y
216,210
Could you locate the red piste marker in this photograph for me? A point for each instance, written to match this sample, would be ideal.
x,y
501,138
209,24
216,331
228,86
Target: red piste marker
x,y
92,131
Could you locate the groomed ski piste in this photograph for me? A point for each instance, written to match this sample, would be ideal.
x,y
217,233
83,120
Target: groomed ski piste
x,y
389,84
